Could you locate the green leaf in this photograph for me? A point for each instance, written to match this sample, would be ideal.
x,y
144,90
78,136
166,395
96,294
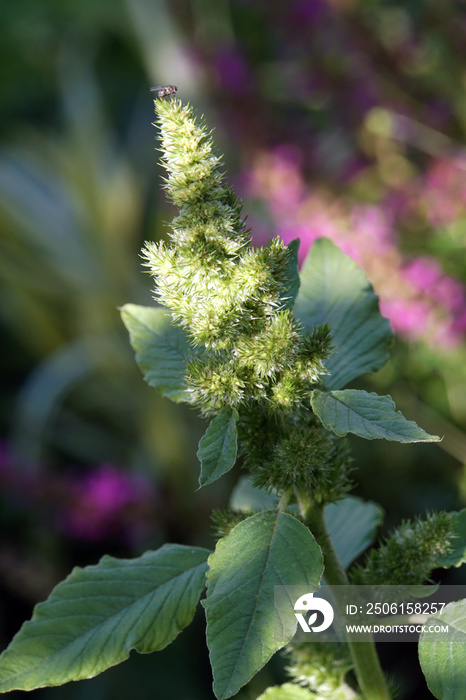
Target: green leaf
x,y
161,349
292,286
268,549
352,524
365,414
457,556
97,615
336,291
287,691
443,655
218,447
247,498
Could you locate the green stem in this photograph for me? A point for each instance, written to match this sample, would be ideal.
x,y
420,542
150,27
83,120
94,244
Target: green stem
x,y
366,661
285,498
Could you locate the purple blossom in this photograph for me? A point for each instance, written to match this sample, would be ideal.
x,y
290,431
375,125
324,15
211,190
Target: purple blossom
x,y
98,503
459,323
449,293
107,501
310,11
233,71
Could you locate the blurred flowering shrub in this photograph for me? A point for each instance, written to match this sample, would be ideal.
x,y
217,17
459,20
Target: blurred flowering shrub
x,y
50,520
421,301
104,504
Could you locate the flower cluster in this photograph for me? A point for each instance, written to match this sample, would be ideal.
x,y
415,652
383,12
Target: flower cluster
x,y
409,554
295,452
321,667
232,299
234,302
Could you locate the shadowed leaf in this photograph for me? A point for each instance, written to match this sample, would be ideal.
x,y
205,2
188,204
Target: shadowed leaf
x,y
96,616
336,291
218,447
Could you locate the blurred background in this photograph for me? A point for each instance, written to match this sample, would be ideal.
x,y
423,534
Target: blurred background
x,y
338,118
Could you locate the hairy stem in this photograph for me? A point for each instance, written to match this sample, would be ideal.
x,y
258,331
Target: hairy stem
x,y
366,661
284,500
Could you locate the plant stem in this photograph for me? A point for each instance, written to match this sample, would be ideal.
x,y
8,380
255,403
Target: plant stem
x,y
366,661
284,500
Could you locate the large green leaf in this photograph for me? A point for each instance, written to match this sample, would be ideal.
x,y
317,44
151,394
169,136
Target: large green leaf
x,y
292,275
287,691
443,655
457,555
268,549
336,291
365,414
352,524
218,447
161,349
96,616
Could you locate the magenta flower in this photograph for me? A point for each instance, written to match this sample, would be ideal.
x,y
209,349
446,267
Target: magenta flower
x,y
98,504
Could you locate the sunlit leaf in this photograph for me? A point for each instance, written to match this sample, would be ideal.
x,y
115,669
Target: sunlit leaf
x,y
247,498
352,523
268,549
365,414
457,556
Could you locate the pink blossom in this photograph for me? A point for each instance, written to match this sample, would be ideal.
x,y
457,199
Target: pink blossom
x,y
422,273
409,317
450,293
459,323
443,194
419,299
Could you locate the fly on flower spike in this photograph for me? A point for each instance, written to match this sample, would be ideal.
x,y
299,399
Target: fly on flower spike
x,y
164,90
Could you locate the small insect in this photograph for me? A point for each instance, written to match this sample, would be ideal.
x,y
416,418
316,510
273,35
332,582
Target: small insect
x,y
164,90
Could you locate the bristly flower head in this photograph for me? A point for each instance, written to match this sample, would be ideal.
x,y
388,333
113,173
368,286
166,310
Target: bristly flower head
x,y
231,299
410,554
